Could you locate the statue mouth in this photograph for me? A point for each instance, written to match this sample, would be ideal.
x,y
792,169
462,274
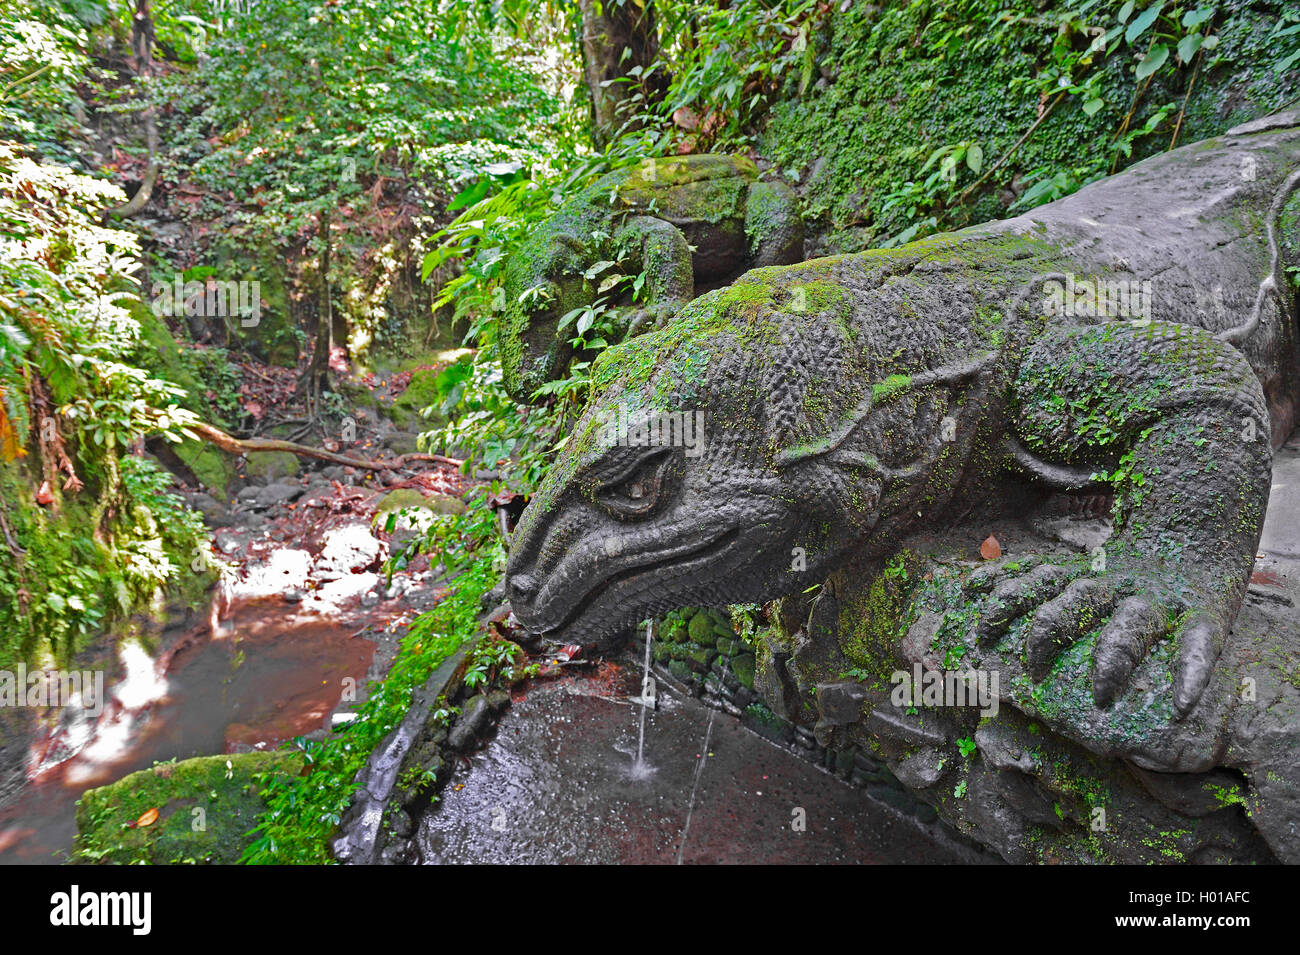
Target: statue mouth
x,y
678,558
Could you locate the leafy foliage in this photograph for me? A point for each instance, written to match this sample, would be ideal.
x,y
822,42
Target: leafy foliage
x,y
1054,95
295,110
66,284
42,61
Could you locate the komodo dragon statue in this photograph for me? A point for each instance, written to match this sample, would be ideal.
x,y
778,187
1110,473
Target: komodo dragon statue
x,y
1139,334
685,221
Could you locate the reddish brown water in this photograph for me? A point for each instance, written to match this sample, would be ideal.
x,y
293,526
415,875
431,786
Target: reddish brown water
x,y
267,676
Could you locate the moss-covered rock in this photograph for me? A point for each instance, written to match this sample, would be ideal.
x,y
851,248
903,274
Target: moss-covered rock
x,y
271,465
205,808
161,354
421,393
407,497
701,628
396,500
212,467
743,666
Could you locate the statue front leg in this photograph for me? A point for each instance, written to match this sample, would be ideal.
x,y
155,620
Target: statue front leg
x,y
1176,421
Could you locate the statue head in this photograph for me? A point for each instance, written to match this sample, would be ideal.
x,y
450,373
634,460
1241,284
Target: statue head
x,y
731,457
543,282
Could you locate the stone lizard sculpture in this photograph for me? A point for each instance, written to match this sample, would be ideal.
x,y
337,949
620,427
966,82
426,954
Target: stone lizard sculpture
x,y
687,221
1141,332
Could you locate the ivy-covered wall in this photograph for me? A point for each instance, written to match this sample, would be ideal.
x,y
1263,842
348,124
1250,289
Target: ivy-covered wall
x,y
915,103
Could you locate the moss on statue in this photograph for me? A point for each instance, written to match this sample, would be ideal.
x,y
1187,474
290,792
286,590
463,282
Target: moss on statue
x,y
872,621
707,199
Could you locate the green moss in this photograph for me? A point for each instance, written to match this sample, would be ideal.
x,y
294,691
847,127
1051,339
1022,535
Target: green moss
x,y
206,806
272,465
214,468
80,568
702,656
400,498
743,666
164,358
882,391
276,338
701,628
421,393
1086,402
161,355
872,620
766,215
705,188
817,297
408,497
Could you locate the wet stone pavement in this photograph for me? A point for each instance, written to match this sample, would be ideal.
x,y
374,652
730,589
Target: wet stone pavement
x,y
555,785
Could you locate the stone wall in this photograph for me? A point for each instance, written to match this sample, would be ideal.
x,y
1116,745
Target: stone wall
x,y
711,654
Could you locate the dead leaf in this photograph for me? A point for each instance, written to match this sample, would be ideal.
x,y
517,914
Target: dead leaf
x,y
686,118
148,819
10,446
990,549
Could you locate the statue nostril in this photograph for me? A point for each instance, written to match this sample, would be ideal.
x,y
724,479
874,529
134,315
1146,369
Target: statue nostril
x,y
522,585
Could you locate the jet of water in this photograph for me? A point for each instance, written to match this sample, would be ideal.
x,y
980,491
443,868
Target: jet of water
x,y
639,768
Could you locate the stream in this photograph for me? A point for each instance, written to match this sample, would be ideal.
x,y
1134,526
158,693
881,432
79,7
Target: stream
x,y
300,625
269,675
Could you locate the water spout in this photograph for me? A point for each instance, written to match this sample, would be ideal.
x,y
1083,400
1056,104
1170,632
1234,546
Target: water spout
x,y
648,694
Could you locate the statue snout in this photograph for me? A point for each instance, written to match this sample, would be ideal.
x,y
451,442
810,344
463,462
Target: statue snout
x,y
521,587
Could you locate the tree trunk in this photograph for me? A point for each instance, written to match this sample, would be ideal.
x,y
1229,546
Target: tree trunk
x,y
617,37
142,40
316,378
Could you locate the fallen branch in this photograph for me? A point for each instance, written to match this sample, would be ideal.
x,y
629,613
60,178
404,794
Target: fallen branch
x,y
233,445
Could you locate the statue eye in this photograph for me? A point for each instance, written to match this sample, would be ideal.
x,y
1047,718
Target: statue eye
x,y
637,491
